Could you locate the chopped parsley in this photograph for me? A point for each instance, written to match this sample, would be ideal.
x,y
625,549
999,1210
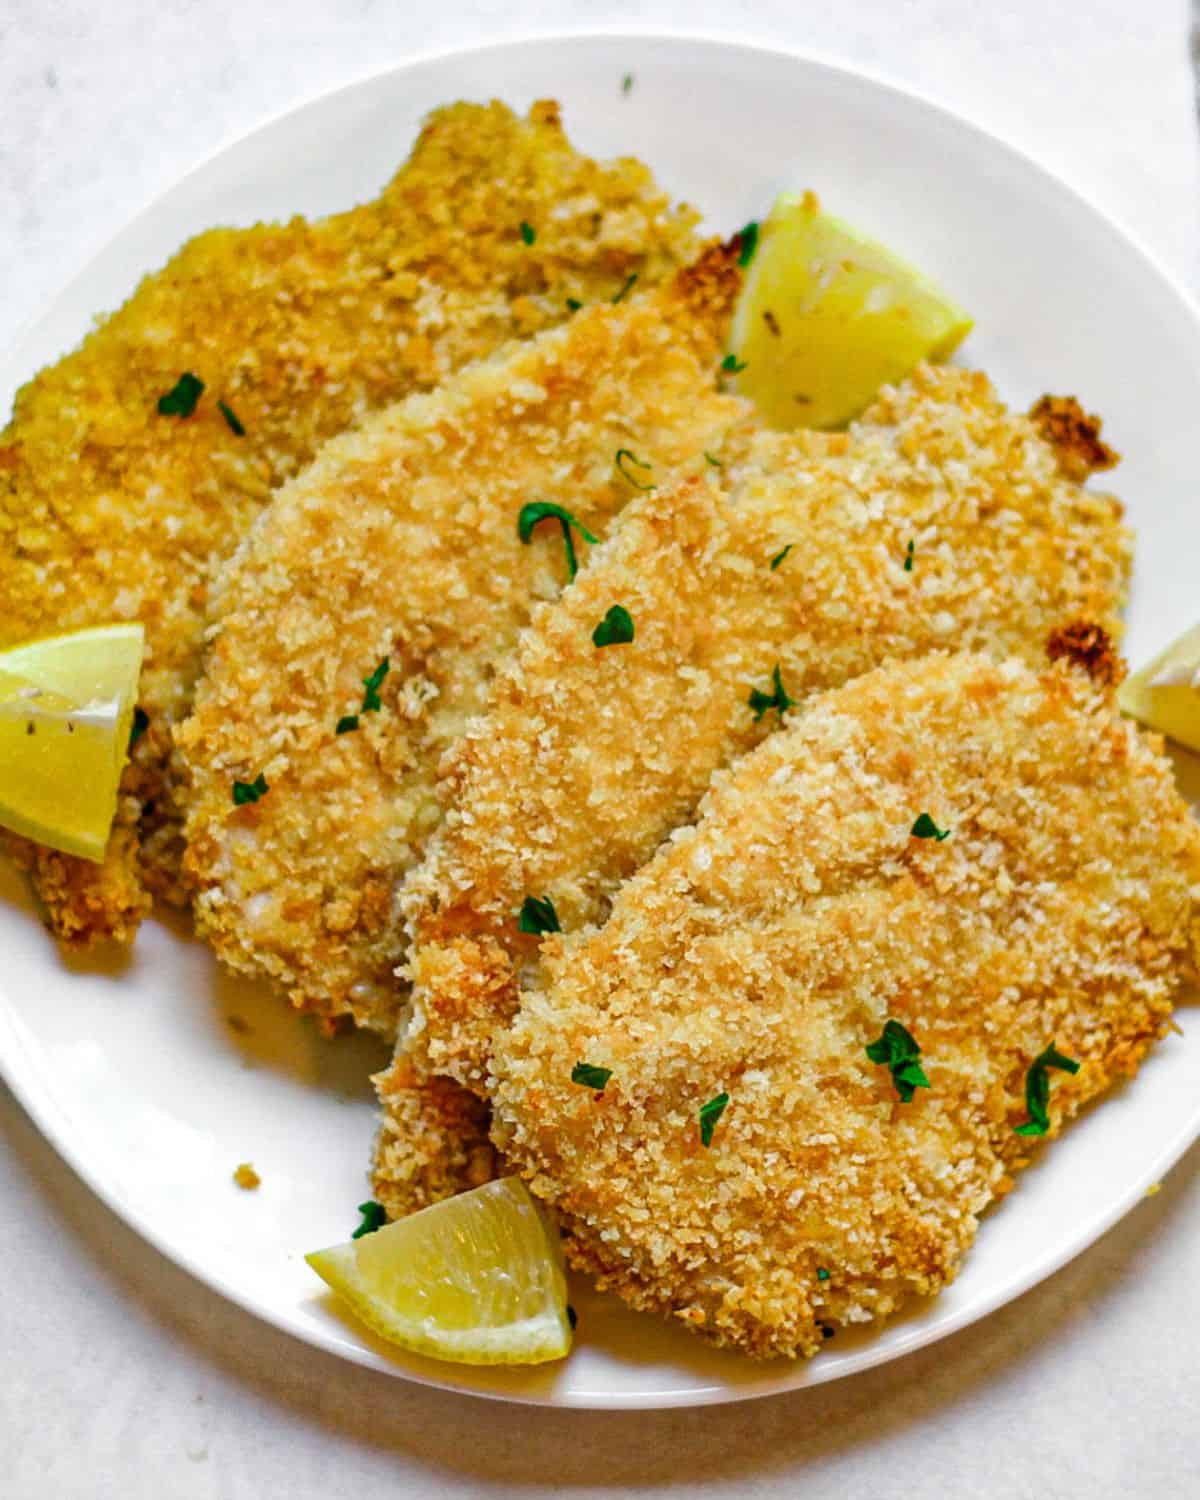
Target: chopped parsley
x,y
762,702
822,1274
231,417
141,722
537,915
528,232
616,628
347,724
926,828
627,83
545,510
716,462
371,699
1037,1089
908,556
897,1049
180,400
710,1113
373,1217
779,556
731,364
624,457
627,288
590,1077
250,791
573,304
747,239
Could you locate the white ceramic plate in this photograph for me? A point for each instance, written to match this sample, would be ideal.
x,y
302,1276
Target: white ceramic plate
x,y
135,1073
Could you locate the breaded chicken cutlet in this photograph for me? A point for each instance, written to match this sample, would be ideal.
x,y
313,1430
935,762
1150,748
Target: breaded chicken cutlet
x,y
803,920
393,564
111,509
939,519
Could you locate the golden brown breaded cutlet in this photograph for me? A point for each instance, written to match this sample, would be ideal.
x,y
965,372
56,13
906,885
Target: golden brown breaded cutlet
x,y
110,510
587,759
400,544
763,949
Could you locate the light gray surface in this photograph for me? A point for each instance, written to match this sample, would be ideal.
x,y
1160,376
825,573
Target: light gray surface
x,y
120,1376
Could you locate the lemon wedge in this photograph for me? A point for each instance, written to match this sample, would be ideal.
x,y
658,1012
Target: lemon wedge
x,y
827,316
477,1279
1166,694
66,706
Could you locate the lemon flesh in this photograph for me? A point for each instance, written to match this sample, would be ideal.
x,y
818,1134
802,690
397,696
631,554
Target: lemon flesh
x,y
66,706
827,316
1166,694
477,1279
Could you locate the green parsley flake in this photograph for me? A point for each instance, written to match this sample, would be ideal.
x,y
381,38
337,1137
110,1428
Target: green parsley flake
x,y
616,628
371,699
627,83
897,1049
710,1113
250,791
627,288
908,556
747,239
716,462
732,365
374,1217
623,457
1037,1089
545,510
231,418
822,1274
347,724
180,400
141,722
762,702
528,232
779,556
590,1077
537,915
926,828
573,304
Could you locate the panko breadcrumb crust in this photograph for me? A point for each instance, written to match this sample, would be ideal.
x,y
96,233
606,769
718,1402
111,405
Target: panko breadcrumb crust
x,y
400,542
762,949
111,511
587,759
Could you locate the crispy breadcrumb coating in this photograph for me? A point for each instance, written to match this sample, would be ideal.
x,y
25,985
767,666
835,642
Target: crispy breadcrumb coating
x,y
1075,434
400,542
587,759
111,511
433,1138
761,951
1088,646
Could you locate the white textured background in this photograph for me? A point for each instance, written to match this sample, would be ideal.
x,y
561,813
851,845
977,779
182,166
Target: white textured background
x,y
121,1378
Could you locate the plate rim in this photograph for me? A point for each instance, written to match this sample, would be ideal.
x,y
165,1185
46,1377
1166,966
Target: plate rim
x,y
38,1101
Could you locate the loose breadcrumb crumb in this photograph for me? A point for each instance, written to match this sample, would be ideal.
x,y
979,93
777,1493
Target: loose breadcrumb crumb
x,y
246,1177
